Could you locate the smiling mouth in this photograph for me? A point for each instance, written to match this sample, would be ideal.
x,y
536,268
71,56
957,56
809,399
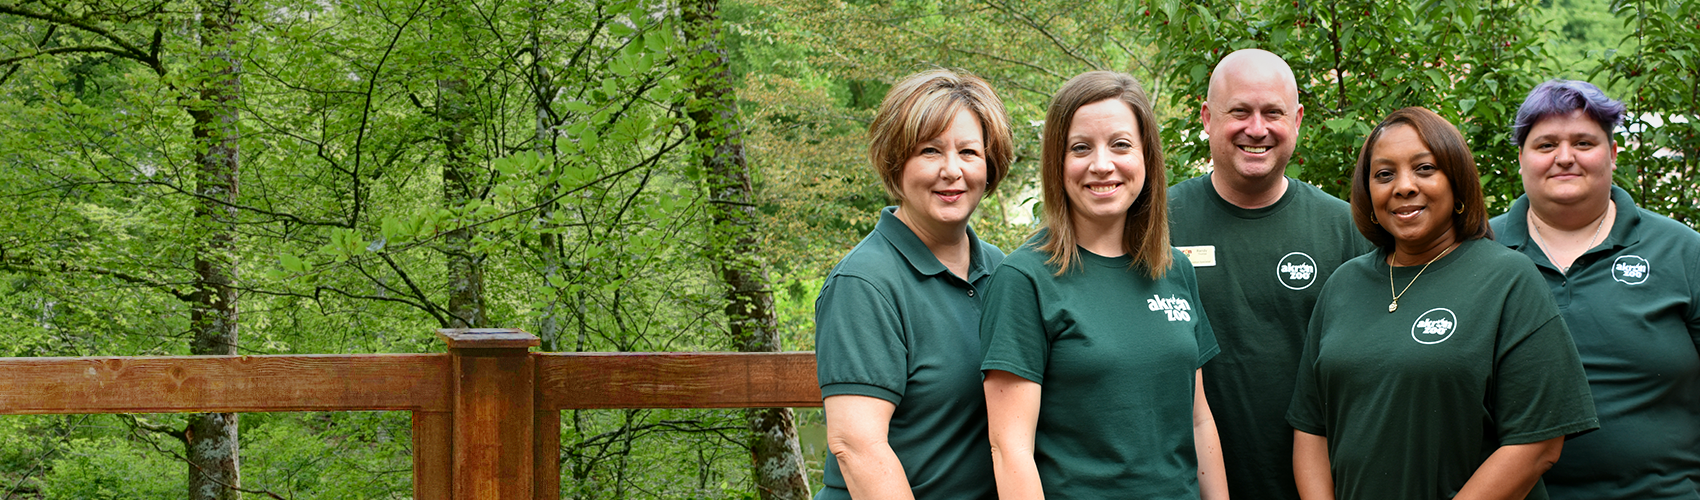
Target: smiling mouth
x,y
1103,188
1255,149
1407,212
950,196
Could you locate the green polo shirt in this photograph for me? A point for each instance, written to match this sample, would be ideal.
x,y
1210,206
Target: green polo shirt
x,y
1633,306
893,323
1115,353
1259,272
1413,401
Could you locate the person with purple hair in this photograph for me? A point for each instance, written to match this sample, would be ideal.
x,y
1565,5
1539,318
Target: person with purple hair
x,y
1627,282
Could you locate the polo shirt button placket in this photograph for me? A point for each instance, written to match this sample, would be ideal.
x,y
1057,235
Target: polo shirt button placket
x,y
970,293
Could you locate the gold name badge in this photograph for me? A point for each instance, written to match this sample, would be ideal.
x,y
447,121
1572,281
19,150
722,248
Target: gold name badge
x,y
1201,256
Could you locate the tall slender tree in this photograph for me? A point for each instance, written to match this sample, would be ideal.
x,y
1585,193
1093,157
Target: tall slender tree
x,y
211,438
462,184
207,88
776,455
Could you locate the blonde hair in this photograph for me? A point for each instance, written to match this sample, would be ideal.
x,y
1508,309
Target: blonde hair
x,y
920,108
1146,233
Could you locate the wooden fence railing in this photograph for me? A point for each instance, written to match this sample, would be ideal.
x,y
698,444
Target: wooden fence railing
x,y
486,416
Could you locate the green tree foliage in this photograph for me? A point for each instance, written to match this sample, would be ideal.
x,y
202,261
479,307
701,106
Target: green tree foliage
x,y
578,196
1356,62
1661,79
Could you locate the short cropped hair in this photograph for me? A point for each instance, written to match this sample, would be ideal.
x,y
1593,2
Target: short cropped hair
x,y
1145,235
920,107
1451,155
1560,98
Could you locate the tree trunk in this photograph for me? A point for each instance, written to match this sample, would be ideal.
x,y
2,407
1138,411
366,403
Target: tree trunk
x,y
461,182
777,458
211,438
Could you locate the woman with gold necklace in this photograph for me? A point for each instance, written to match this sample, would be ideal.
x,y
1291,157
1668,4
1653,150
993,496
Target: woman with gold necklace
x,y
1437,366
1628,284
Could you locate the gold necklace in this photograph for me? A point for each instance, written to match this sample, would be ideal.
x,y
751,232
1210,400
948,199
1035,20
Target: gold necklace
x,y
1395,305
1542,244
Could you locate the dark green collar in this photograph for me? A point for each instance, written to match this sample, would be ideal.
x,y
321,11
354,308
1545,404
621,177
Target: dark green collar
x,y
1623,228
1251,213
919,256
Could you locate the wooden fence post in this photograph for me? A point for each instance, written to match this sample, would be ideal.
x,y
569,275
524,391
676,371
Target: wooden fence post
x,y
494,409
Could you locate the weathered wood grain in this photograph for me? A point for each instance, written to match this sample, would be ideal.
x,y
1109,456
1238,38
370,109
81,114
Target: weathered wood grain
x,y
676,380
433,455
493,411
353,382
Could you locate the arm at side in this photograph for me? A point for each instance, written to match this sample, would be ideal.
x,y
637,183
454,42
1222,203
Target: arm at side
x,y
1310,466
1212,475
1012,416
856,433
1511,471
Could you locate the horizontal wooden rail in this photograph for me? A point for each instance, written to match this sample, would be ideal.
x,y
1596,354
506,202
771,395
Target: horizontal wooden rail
x,y
170,384
486,416
676,380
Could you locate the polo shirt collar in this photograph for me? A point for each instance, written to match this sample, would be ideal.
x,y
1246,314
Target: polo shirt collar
x,y
918,255
1623,229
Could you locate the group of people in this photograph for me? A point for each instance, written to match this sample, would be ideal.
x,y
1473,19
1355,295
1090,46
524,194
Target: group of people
x,y
1230,335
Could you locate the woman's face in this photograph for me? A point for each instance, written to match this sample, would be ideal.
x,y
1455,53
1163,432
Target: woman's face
x,y
945,177
1410,195
1104,165
1566,159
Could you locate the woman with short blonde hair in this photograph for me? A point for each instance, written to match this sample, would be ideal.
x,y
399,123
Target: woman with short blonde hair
x,y
896,323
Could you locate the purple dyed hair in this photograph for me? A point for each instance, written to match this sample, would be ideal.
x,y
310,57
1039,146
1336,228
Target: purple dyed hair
x,y
1558,97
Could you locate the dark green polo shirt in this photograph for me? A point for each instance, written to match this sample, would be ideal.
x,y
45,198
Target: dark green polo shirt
x,y
1115,353
893,323
1413,401
1633,306
1259,272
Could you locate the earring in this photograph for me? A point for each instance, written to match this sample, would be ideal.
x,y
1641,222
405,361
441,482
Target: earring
x,y
1372,218
1460,209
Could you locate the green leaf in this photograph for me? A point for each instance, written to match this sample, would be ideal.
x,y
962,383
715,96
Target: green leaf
x,y
1464,105
292,263
1339,124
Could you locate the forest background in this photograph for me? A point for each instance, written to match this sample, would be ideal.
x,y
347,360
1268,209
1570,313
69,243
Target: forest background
x,y
346,176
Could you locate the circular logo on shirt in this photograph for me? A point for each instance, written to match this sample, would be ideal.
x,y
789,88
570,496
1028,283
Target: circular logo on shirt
x,y
1296,271
1434,326
1630,269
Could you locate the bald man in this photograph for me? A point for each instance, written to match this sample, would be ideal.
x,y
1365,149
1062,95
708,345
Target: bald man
x,y
1263,244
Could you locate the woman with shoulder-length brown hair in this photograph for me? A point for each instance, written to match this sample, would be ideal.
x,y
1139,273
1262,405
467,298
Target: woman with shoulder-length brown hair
x,y
896,321
1437,366
1092,333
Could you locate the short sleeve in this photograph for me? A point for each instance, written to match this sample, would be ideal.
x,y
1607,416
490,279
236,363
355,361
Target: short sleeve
x,y
860,347
1540,390
1012,329
1305,411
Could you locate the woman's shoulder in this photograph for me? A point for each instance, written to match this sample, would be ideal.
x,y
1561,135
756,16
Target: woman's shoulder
x,y
1498,257
873,256
1028,256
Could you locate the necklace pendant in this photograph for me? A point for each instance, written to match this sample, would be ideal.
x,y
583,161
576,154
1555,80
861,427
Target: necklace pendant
x,y
1393,306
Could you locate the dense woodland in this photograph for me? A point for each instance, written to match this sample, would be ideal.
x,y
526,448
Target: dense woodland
x,y
346,176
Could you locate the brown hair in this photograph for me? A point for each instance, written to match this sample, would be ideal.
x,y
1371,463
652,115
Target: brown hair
x,y
1146,233
1451,155
920,108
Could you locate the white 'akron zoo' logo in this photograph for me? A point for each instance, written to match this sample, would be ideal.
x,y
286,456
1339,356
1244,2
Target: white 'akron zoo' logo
x,y
1296,271
1434,326
1630,269
1177,309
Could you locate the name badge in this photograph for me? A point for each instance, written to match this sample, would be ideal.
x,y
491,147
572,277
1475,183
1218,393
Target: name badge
x,y
1201,256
